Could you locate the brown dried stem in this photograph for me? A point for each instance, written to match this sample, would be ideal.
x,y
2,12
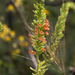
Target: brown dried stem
x,y
27,27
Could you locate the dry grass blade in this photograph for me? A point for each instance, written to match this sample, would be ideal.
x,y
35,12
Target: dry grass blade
x,y
63,54
56,61
22,56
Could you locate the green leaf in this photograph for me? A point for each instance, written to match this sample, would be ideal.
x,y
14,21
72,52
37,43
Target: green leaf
x,y
32,69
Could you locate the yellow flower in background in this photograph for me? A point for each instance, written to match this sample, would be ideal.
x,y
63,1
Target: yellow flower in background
x,y
10,7
26,44
46,11
12,34
2,35
7,38
14,45
6,28
5,32
21,38
17,51
21,44
18,2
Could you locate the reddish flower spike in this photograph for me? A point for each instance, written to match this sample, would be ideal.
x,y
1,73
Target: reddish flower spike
x,y
41,32
46,28
43,49
29,34
33,52
43,40
36,32
36,28
46,33
47,21
30,51
39,25
40,38
32,44
46,24
30,39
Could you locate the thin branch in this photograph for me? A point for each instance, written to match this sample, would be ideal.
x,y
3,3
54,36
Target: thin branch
x,y
22,56
27,27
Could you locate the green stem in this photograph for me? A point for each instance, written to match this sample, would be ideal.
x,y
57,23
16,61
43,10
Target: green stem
x,y
37,65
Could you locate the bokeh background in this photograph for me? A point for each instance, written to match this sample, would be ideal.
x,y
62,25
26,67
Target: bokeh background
x,y
14,37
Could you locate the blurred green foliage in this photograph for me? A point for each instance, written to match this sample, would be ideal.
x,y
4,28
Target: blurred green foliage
x,y
14,65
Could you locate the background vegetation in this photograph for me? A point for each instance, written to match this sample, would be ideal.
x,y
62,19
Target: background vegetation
x,y
13,38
